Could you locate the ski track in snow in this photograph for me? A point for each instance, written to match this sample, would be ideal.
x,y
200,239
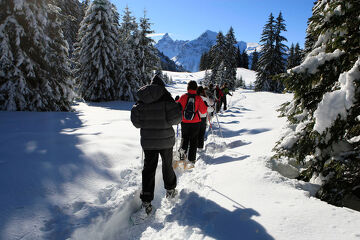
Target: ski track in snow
x,y
78,176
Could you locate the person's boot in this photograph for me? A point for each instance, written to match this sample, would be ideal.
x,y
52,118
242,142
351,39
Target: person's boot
x,y
147,206
171,193
182,154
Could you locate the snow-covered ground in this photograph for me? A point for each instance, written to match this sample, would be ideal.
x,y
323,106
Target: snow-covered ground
x,y
77,175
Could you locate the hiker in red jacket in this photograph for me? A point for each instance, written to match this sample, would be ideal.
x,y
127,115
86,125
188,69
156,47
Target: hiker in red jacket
x,y
192,105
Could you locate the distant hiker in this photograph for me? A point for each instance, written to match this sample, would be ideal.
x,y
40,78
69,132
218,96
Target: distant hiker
x,y
203,116
225,91
192,107
218,94
155,113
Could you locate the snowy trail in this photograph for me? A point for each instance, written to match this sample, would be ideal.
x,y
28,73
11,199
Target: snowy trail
x,y
78,176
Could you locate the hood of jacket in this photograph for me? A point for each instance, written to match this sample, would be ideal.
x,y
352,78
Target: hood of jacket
x,y
151,93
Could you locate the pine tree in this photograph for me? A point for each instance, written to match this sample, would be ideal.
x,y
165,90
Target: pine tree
x,y
202,62
266,65
280,51
255,59
147,58
34,74
207,78
271,61
230,58
131,73
245,60
324,129
280,47
298,55
205,61
217,53
96,53
295,56
310,39
220,77
239,60
72,15
291,57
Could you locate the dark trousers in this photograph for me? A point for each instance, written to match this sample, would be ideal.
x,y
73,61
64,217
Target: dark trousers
x,y
149,170
201,135
223,99
189,133
218,105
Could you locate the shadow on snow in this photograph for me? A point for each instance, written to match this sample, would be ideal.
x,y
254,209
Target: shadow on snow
x,y
229,134
215,221
39,157
114,105
224,159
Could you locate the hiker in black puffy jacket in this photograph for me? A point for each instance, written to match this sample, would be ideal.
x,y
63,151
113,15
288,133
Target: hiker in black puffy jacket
x,y
155,113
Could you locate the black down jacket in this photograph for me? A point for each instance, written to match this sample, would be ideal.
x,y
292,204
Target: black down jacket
x,y
155,113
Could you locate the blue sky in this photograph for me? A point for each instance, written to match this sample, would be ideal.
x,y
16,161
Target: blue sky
x,y
187,19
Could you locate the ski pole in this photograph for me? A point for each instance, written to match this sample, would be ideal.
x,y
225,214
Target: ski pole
x,y
219,125
177,137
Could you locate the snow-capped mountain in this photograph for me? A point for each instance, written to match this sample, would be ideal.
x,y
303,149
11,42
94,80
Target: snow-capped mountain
x,y
188,53
169,47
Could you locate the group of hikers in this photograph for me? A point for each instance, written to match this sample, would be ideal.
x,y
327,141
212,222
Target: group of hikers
x,y
155,113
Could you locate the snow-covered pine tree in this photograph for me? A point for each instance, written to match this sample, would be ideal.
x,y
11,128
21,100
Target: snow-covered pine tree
x,y
217,53
255,60
34,73
60,82
324,124
230,59
271,61
240,83
266,65
220,77
148,61
96,53
207,78
129,41
71,14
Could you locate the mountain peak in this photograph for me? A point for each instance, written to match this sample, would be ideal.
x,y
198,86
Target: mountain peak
x,y
166,37
209,34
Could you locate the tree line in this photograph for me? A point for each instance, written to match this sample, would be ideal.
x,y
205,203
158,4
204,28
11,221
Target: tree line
x,y
54,51
274,58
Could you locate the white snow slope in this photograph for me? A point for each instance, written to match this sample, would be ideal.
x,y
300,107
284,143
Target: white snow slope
x,y
77,175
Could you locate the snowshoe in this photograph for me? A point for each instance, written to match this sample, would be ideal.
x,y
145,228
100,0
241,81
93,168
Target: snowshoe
x,y
143,214
170,194
179,162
